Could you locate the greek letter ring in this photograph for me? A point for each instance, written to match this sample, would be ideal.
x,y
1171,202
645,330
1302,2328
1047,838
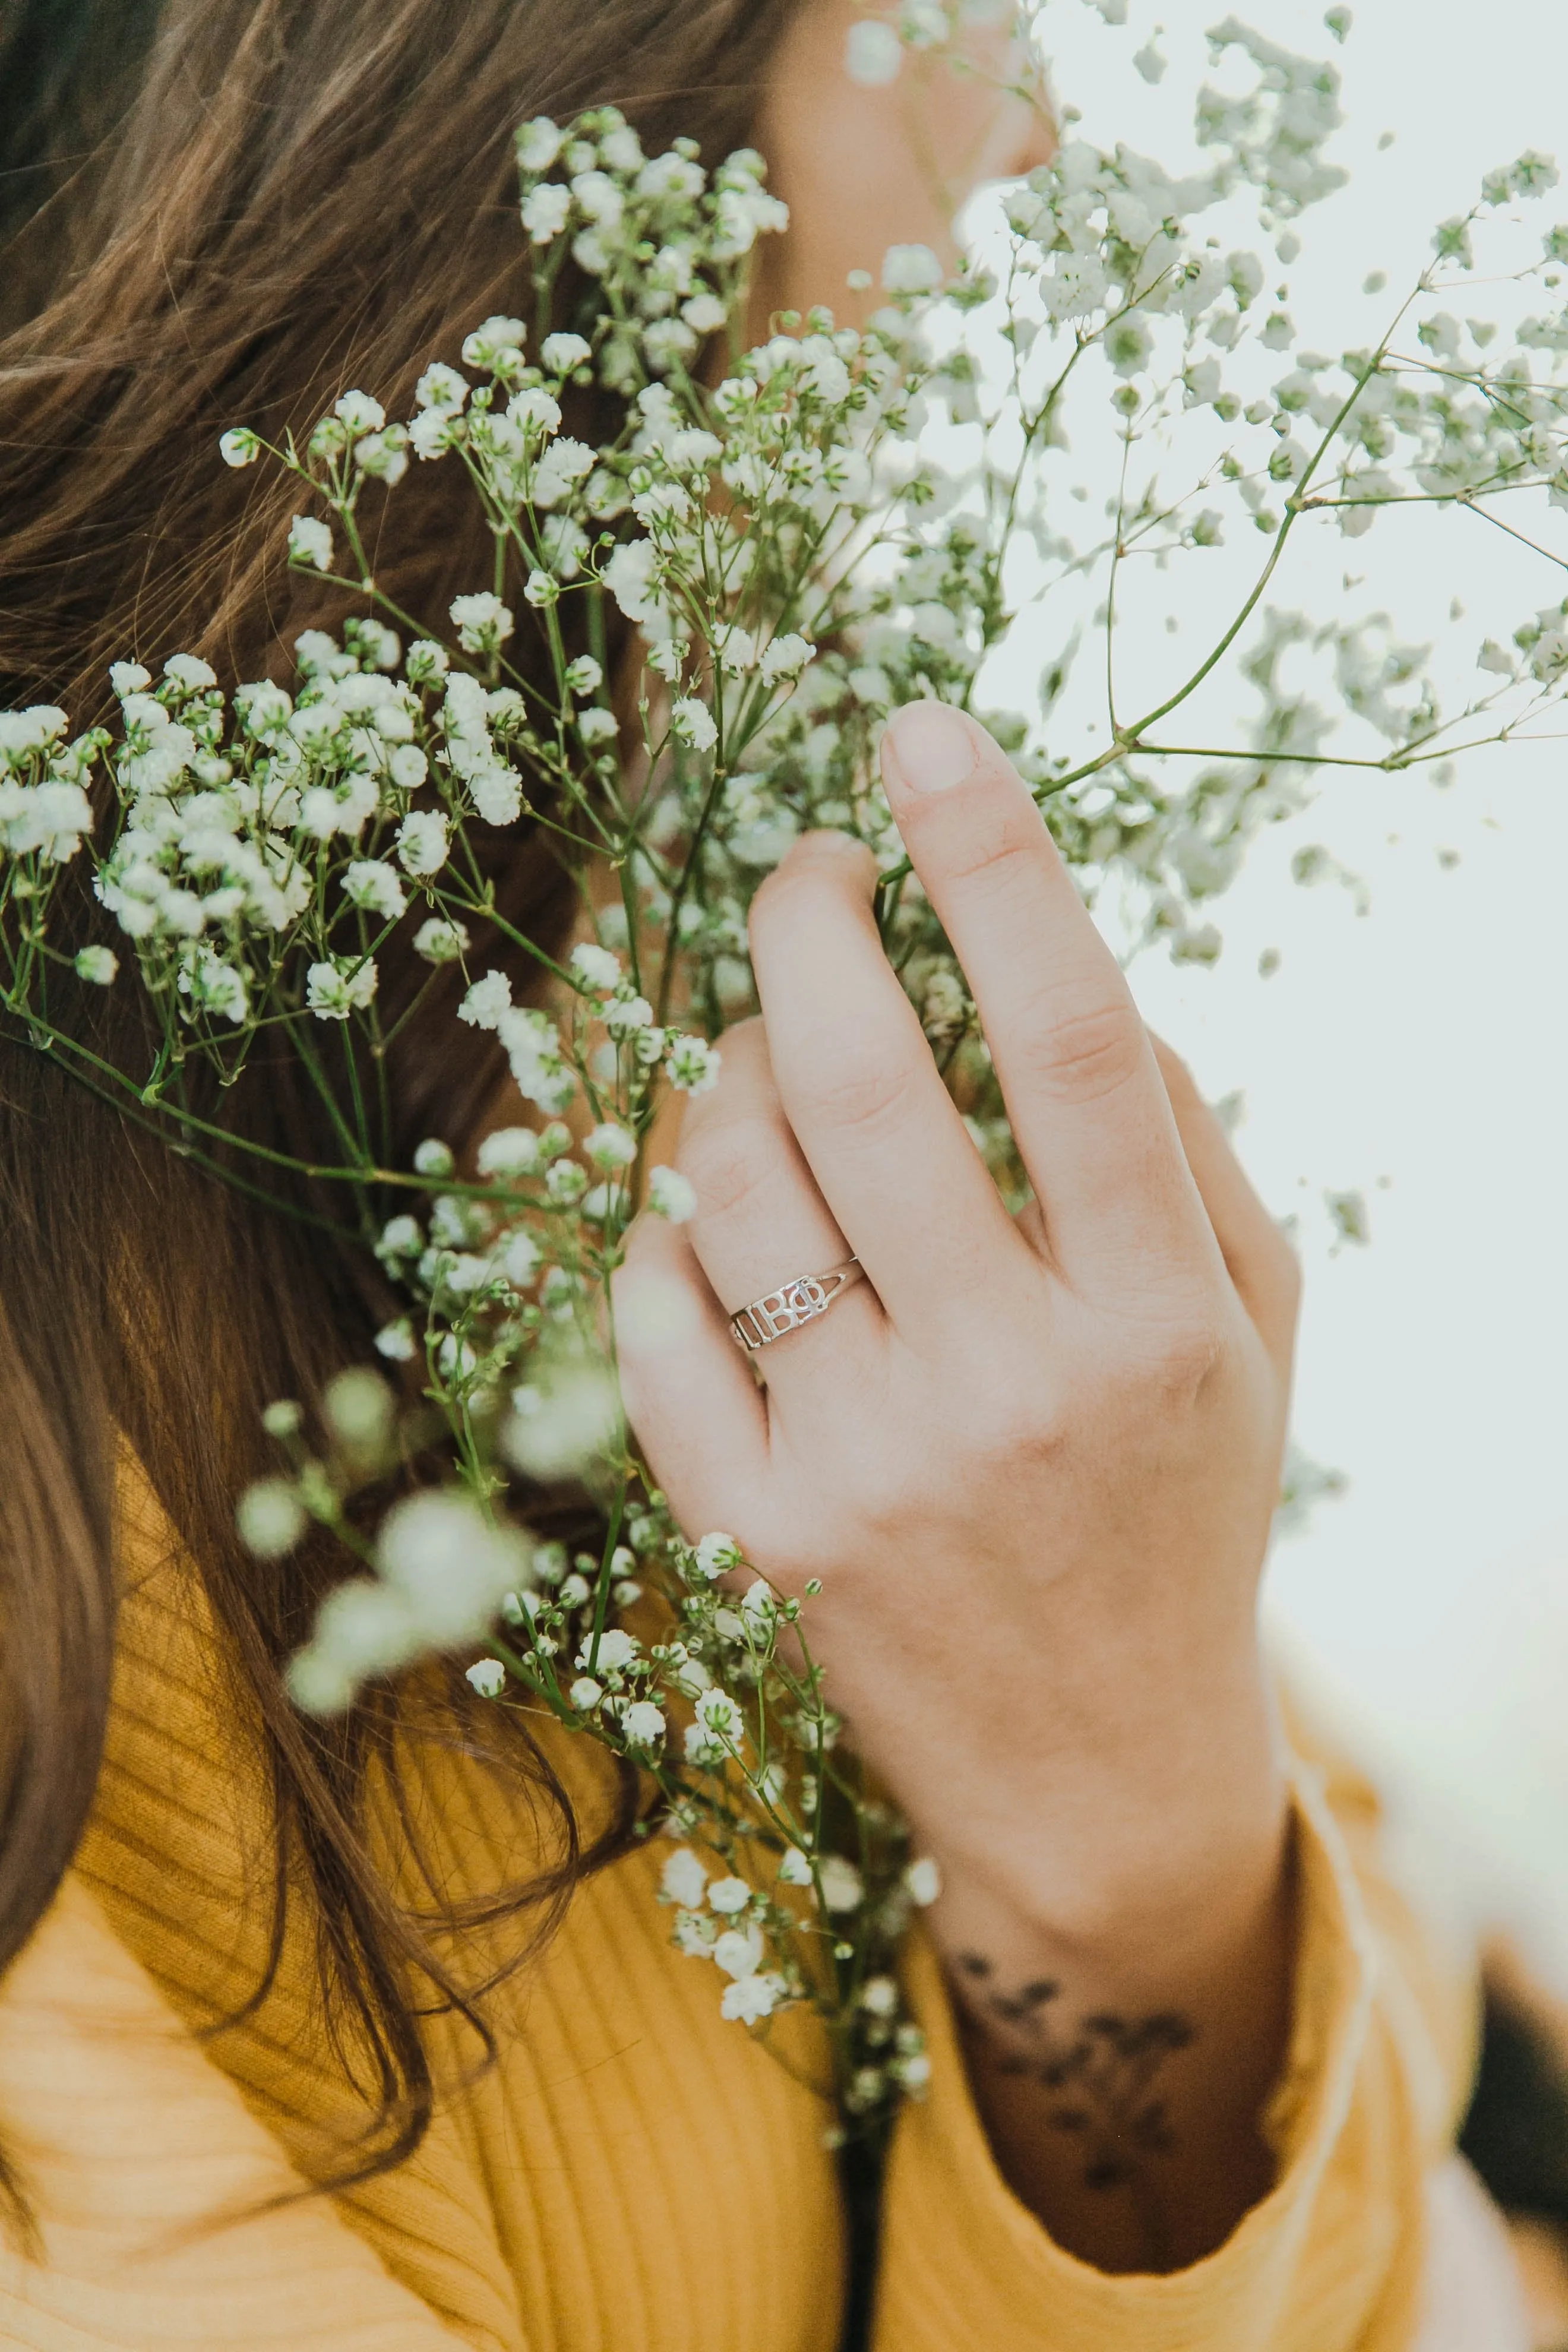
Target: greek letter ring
x,y
797,1302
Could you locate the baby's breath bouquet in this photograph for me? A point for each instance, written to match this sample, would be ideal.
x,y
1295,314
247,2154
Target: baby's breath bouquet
x,y
804,536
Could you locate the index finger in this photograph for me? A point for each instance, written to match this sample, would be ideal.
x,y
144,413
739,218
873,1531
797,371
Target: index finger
x,y
1087,1108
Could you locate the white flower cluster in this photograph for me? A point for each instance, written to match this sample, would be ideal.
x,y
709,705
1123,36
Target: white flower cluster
x,y
45,812
662,242
267,840
442,1573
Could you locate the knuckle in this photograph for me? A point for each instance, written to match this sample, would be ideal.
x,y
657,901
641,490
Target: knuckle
x,y
898,1493
861,1096
1001,841
729,1159
819,863
1030,1416
1160,1363
1146,1392
1086,1044
1191,1358
1038,1435
884,1501
1179,1361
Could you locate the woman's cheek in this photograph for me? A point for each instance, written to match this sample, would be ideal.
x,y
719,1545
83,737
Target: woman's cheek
x,y
862,169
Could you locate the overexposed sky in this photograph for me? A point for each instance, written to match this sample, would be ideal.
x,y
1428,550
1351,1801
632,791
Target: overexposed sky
x,y
1420,1052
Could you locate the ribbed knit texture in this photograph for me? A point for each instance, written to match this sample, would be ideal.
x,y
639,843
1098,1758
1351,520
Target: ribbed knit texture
x,y
634,2174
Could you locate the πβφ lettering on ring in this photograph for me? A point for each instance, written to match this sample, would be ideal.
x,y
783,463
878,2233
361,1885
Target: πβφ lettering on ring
x,y
799,1301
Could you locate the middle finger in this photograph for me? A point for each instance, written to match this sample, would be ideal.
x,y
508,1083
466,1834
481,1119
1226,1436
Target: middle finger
x,y
878,1130
1092,1120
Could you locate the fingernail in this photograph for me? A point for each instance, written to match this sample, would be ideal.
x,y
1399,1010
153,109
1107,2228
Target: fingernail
x,y
932,746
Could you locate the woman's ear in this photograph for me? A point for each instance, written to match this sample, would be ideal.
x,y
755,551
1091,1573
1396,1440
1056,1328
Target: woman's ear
x,y
862,168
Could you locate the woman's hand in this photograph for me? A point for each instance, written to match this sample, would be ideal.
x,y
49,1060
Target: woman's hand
x,y
1033,1462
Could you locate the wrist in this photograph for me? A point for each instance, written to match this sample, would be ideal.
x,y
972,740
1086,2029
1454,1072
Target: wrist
x,y
1176,1844
1133,2055
1186,1888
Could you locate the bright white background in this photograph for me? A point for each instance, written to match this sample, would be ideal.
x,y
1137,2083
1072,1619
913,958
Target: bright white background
x,y
1418,1053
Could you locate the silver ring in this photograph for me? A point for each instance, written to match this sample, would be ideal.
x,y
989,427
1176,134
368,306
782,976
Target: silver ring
x,y
797,1302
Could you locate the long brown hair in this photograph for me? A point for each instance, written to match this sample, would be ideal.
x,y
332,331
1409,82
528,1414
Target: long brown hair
x,y
303,195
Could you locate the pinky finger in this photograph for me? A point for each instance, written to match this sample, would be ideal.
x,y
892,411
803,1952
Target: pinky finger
x,y
695,1409
1262,1263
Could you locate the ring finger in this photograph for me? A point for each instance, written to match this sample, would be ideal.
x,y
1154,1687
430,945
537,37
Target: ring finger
x,y
761,1221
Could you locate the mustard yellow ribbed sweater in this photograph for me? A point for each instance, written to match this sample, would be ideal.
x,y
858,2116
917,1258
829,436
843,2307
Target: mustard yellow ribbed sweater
x,y
634,2175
